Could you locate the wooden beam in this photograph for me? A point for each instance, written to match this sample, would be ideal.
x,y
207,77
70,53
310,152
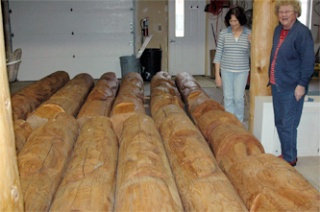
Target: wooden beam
x,y
7,27
11,198
263,24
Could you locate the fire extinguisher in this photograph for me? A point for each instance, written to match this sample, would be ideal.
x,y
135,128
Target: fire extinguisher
x,y
144,27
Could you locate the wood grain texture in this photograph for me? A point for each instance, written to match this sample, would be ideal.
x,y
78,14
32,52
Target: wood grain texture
x,y
268,183
89,180
264,21
11,198
99,101
165,111
22,131
144,178
131,95
43,159
68,99
211,119
231,143
26,100
201,183
264,182
196,99
129,101
163,92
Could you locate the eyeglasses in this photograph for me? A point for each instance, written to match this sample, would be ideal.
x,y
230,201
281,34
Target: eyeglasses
x,y
285,12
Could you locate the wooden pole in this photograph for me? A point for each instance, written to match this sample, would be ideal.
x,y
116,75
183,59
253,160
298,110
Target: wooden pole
x,y
7,27
263,24
11,198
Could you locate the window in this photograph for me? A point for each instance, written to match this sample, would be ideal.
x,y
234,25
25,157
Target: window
x,y
179,18
306,13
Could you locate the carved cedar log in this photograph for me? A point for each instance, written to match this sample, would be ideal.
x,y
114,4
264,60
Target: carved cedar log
x,y
198,177
22,131
231,143
129,101
144,178
268,183
208,121
227,138
89,180
68,99
196,99
186,84
43,159
200,104
29,98
100,100
165,84
160,115
163,92
259,178
201,183
263,23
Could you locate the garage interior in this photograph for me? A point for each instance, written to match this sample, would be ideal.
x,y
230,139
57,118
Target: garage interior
x,y
79,42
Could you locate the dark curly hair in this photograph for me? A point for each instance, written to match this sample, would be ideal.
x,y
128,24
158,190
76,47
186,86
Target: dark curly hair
x,y
238,12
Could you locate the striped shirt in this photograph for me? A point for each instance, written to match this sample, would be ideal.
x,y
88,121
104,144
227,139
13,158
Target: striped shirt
x,y
233,55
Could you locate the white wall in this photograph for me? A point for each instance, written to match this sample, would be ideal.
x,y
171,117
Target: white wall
x,y
75,36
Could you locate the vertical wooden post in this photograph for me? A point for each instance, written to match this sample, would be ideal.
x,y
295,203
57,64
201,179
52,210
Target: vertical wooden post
x,y
263,24
11,197
6,27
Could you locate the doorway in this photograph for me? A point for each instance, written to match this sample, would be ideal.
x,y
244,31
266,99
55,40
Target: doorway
x,y
186,48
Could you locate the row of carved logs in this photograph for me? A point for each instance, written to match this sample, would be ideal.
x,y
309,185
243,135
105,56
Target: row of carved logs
x,y
144,178
43,159
131,162
89,180
263,181
201,183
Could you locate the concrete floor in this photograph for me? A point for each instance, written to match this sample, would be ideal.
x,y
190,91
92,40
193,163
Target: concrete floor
x,y
309,167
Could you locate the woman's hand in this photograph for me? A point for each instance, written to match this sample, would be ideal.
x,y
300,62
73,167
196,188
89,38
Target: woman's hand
x,y
218,81
299,92
217,75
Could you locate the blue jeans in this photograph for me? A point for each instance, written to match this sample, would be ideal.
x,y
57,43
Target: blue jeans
x,y
287,115
234,84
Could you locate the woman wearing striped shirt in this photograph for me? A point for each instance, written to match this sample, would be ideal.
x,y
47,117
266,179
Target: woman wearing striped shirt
x,y
232,59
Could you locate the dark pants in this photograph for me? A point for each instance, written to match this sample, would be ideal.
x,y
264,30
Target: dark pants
x,y
287,115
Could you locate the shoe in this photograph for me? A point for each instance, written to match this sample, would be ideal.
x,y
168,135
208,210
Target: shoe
x,y
293,163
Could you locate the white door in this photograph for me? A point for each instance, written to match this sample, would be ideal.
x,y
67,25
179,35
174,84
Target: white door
x,y
187,52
